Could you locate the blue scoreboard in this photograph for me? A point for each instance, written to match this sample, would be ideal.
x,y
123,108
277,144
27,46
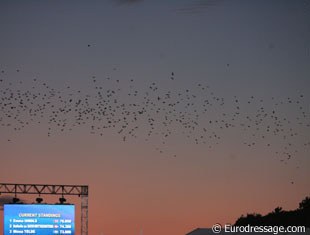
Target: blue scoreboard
x,y
39,219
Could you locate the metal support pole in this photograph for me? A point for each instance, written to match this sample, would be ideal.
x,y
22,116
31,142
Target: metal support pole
x,y
84,215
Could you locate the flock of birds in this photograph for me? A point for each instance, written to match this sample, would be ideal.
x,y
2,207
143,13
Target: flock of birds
x,y
155,113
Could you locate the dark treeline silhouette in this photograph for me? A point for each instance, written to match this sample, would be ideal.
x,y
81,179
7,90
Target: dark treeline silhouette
x,y
279,217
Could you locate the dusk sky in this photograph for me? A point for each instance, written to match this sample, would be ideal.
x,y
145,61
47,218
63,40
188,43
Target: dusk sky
x,y
178,114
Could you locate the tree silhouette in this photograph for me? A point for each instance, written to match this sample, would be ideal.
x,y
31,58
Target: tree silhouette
x,y
304,210
280,217
305,204
278,210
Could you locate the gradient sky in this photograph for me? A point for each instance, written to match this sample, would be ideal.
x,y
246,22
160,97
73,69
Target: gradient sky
x,y
238,48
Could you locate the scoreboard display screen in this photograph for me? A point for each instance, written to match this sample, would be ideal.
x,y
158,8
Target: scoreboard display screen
x,y
39,219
